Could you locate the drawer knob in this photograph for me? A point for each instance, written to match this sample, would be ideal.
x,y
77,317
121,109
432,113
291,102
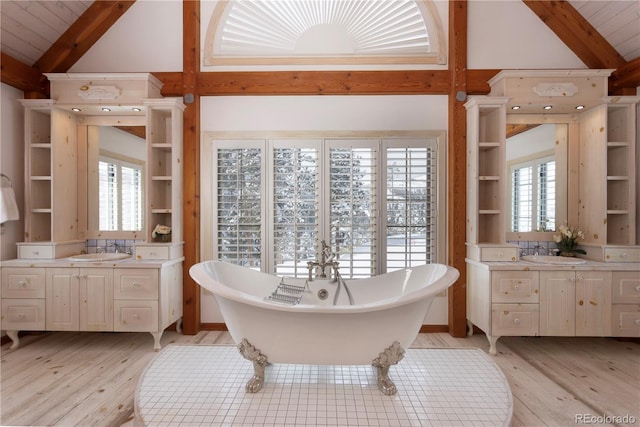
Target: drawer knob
x,y
516,286
36,252
637,321
638,288
516,321
135,317
624,255
22,284
135,284
21,315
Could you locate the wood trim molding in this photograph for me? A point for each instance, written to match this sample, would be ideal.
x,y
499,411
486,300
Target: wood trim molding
x,y
424,329
457,171
81,35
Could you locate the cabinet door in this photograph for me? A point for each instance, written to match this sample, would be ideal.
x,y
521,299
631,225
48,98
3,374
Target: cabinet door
x,y
557,303
593,303
61,306
96,299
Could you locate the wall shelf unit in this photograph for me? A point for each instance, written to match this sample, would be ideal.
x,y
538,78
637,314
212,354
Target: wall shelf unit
x,y
164,136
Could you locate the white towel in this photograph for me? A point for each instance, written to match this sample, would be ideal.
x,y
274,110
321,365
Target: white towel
x,y
8,205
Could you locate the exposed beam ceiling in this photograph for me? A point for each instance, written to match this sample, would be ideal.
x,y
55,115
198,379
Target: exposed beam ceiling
x,y
81,35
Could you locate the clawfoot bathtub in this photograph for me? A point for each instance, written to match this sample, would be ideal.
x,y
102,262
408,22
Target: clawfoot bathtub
x,y
320,327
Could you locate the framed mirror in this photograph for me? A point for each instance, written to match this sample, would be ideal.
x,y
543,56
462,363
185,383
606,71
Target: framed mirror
x,y
538,175
115,170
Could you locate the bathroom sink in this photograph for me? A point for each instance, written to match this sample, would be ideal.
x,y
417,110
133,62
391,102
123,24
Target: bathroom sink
x,y
110,256
550,259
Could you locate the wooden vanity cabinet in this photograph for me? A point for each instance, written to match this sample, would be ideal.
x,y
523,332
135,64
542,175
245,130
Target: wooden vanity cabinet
x,y
575,303
546,302
625,319
23,300
69,298
79,299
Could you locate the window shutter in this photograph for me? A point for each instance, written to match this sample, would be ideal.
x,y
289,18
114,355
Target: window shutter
x,y
295,207
352,206
239,197
411,206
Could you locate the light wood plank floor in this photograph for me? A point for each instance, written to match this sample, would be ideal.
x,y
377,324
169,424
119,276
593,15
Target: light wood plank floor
x,y
88,379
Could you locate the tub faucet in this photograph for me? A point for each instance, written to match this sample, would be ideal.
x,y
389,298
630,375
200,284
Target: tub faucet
x,y
326,260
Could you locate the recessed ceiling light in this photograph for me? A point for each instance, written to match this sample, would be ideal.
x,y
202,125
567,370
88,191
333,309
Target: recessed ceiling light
x,y
136,109
547,107
515,107
76,109
579,107
106,109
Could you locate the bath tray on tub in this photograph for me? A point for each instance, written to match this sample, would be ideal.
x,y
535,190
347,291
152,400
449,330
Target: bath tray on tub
x,y
286,294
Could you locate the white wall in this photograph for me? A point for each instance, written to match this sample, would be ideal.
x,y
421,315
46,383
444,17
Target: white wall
x,y
12,164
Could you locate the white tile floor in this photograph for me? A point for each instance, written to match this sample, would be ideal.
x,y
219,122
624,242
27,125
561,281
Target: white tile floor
x,y
195,385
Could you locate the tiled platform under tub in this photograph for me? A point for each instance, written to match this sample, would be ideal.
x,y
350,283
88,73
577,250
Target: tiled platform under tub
x,y
196,385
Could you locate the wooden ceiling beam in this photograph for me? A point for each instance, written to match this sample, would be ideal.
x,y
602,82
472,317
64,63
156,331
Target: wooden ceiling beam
x,y
81,35
625,79
324,83
577,33
23,77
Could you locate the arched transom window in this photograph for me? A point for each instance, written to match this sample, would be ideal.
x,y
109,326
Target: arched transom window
x,y
248,32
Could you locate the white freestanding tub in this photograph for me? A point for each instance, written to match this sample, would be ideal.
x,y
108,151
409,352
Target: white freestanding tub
x,y
384,319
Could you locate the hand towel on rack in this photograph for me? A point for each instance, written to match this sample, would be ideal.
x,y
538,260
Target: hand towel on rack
x,y
8,206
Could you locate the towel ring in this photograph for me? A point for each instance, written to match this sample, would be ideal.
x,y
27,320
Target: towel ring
x,y
7,178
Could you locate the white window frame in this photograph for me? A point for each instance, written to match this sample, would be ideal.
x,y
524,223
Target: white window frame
x,y
535,191
211,141
120,162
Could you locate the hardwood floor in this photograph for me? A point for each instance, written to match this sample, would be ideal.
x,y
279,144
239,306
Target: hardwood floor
x,y
89,379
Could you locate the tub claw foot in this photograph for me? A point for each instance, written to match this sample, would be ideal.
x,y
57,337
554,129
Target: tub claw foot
x,y
390,356
249,352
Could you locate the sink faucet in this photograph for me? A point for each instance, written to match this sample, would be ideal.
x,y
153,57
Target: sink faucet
x,y
117,246
536,250
326,260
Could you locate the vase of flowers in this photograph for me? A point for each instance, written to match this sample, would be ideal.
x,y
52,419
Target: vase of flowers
x,y
567,240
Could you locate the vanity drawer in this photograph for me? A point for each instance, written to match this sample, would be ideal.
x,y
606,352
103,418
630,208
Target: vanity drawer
x,y
22,282
515,286
152,252
35,252
23,314
621,254
626,287
135,283
498,254
625,320
514,319
136,316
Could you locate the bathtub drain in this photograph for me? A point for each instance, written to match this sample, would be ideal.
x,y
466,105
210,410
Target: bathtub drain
x,y
323,294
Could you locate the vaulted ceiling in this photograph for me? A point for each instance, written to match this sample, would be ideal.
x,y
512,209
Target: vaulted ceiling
x,y
50,36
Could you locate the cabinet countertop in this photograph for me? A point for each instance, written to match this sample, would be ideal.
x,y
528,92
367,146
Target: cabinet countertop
x,y
536,266
66,263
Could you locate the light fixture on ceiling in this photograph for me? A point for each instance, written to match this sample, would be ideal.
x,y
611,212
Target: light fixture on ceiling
x,y
547,107
515,107
137,109
579,107
76,110
106,109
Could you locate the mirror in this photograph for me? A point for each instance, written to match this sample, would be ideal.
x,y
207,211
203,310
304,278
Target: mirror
x,y
116,163
537,174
